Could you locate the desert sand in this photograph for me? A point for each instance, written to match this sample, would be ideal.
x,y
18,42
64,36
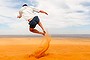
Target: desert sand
x,y
20,48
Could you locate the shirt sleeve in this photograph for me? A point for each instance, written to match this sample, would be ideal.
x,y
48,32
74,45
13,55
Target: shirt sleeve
x,y
21,10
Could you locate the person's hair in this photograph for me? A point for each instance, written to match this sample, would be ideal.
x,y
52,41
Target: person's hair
x,y
24,5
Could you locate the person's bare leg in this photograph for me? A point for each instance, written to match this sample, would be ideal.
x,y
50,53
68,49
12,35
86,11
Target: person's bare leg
x,y
36,31
40,24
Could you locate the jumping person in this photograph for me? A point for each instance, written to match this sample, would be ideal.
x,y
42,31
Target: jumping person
x,y
28,13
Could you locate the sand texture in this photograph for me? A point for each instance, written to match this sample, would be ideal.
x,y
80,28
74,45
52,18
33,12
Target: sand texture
x,y
59,49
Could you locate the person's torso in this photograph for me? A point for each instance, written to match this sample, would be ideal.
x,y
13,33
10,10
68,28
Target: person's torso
x,y
27,13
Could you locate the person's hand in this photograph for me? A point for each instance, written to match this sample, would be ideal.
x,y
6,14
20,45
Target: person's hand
x,y
46,13
18,16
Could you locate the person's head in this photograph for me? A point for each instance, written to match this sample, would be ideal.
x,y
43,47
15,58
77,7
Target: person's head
x,y
24,5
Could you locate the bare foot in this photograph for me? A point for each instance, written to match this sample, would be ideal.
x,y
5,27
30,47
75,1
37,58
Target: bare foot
x,y
43,34
44,31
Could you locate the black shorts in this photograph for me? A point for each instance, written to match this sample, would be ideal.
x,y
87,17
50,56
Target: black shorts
x,y
34,22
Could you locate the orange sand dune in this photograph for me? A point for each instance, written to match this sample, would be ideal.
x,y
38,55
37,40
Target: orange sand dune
x,y
60,49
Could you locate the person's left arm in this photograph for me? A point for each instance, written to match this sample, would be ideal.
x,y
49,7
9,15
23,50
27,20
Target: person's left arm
x,y
41,11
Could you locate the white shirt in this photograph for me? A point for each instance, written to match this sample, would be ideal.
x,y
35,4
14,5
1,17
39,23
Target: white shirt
x,y
28,12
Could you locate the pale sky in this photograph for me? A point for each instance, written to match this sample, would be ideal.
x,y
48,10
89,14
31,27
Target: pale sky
x,y
65,16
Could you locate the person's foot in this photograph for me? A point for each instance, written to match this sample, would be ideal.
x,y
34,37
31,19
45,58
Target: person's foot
x,y
43,34
44,31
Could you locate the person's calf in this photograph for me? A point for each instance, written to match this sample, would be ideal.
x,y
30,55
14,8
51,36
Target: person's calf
x,y
36,31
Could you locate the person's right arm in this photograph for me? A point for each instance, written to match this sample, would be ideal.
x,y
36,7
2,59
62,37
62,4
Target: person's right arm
x,y
20,14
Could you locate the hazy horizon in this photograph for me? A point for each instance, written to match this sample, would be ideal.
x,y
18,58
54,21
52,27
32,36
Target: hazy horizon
x,y
52,35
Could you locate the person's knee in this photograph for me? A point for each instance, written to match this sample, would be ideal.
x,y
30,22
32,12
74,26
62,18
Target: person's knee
x,y
31,29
